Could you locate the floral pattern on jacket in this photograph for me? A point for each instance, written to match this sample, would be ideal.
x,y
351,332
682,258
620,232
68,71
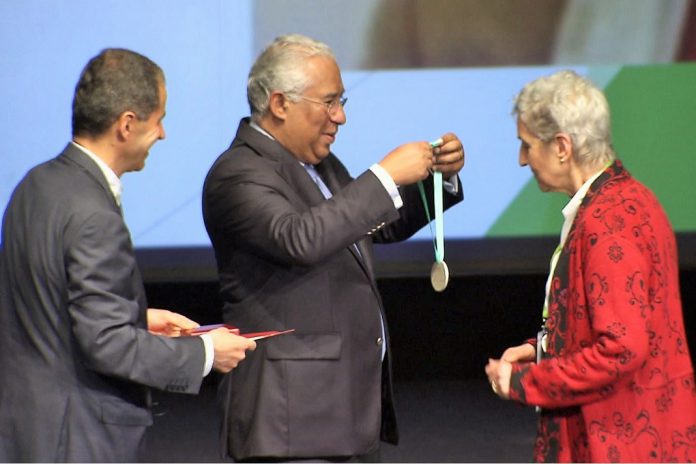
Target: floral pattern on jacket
x,y
616,383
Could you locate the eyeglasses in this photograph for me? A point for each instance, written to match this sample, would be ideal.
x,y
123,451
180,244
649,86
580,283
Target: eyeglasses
x,y
331,107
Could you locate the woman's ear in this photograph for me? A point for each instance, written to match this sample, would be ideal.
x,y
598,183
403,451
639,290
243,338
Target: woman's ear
x,y
564,146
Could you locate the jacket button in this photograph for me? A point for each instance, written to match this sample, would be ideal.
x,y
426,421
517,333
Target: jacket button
x,y
379,341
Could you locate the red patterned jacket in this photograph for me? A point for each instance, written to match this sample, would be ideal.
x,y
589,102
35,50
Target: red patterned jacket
x,y
616,383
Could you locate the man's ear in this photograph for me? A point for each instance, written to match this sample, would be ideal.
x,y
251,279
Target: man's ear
x,y
124,124
278,105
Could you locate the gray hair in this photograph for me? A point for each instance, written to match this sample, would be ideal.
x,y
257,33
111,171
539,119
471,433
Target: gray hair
x,y
566,102
115,81
281,67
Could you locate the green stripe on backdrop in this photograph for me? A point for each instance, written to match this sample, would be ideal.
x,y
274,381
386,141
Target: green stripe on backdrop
x,y
654,117
654,127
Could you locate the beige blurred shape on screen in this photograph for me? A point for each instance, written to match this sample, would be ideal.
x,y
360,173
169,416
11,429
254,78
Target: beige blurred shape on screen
x,y
373,34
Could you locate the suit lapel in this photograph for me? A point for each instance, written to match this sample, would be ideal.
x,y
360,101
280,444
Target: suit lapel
x,y
287,167
83,162
299,180
294,173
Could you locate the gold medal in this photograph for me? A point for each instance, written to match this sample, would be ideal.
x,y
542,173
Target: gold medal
x,y
439,276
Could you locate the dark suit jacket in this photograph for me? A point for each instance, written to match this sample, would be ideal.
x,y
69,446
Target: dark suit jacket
x,y
74,350
285,260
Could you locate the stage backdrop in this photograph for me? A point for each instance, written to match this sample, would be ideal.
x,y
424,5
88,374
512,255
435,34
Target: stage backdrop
x,y
206,49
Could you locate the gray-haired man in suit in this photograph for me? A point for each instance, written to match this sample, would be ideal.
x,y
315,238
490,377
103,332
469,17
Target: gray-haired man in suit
x,y
78,345
293,235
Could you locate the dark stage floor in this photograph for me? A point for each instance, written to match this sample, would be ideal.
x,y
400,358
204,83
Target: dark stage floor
x,y
439,421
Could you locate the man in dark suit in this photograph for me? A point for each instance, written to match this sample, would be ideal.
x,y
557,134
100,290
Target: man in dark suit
x,y
76,356
293,235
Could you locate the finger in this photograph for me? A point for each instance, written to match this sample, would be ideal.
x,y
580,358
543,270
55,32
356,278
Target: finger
x,y
451,148
444,160
182,321
173,331
429,160
456,157
448,137
450,143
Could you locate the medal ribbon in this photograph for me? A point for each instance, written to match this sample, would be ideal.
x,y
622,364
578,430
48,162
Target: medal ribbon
x,y
439,236
439,220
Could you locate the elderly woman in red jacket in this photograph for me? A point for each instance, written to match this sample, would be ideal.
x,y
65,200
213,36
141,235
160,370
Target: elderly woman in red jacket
x,y
610,372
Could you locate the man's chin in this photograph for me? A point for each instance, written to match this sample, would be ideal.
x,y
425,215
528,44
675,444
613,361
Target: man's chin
x,y
136,167
325,151
318,157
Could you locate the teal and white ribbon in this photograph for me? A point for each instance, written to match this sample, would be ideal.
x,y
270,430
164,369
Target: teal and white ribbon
x,y
439,273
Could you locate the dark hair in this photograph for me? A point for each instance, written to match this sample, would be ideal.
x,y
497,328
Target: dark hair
x,y
115,81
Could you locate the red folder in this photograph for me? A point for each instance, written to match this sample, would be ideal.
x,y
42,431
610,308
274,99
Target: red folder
x,y
207,328
270,333
232,329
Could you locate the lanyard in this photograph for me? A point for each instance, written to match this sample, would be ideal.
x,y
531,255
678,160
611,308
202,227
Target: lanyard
x,y
567,224
552,271
438,235
439,273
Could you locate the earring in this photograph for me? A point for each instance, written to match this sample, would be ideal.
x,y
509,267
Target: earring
x,y
562,160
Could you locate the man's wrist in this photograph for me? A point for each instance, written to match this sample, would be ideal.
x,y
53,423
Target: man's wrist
x,y
388,184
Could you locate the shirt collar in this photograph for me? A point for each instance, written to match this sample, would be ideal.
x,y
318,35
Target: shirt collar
x,y
260,129
112,179
571,209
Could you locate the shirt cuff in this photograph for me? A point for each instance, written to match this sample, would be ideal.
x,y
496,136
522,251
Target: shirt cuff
x,y
209,353
451,185
388,184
